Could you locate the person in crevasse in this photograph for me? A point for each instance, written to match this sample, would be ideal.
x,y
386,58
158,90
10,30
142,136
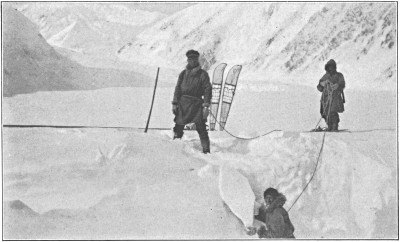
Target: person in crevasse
x,y
192,98
332,99
275,217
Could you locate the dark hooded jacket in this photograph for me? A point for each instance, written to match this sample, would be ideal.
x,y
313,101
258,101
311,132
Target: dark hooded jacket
x,y
337,95
192,86
276,219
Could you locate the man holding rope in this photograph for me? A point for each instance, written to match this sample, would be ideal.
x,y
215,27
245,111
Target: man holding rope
x,y
332,99
188,104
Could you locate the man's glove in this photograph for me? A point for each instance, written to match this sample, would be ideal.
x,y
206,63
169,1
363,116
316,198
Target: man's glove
x,y
206,112
335,86
251,231
261,232
175,109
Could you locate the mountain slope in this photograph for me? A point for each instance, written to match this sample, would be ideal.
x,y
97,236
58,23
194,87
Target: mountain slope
x,y
30,64
87,26
285,42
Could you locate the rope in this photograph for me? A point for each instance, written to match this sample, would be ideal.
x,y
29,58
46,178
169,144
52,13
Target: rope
x,y
326,114
316,126
369,130
319,155
315,168
121,127
72,126
242,138
312,176
328,102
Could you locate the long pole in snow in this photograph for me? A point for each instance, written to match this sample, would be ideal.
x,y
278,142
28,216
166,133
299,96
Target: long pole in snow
x,y
152,101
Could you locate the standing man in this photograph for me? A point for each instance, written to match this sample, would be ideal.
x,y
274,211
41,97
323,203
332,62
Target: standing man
x,y
192,99
332,99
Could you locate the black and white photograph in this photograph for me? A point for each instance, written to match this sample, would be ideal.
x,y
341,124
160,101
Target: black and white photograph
x,y
213,120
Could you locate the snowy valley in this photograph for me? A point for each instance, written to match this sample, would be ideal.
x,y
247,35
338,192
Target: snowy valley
x,y
94,64
31,64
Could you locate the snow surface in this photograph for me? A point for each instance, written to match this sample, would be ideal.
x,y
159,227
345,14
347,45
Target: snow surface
x,y
253,111
124,184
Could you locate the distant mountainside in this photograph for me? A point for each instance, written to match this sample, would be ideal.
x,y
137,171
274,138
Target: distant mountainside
x,y
30,64
279,42
86,27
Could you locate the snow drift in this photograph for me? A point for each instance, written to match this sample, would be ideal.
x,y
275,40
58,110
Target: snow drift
x,y
137,194
279,42
92,184
119,188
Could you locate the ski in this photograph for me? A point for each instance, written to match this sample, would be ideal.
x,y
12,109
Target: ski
x,y
218,77
319,129
228,93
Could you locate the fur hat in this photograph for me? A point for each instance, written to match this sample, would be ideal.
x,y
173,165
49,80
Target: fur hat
x,y
272,192
331,62
192,53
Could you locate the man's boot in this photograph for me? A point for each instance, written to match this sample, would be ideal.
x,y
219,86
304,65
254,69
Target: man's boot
x,y
335,127
177,136
334,120
203,135
178,131
329,127
205,143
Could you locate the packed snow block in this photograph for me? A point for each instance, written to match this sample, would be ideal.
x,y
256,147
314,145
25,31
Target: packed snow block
x,y
236,192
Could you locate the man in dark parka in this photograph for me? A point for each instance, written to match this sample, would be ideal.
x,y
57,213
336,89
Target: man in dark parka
x,y
332,83
192,99
275,217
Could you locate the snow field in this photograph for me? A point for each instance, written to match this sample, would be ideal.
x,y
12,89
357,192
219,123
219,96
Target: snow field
x,y
151,190
133,192
291,108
